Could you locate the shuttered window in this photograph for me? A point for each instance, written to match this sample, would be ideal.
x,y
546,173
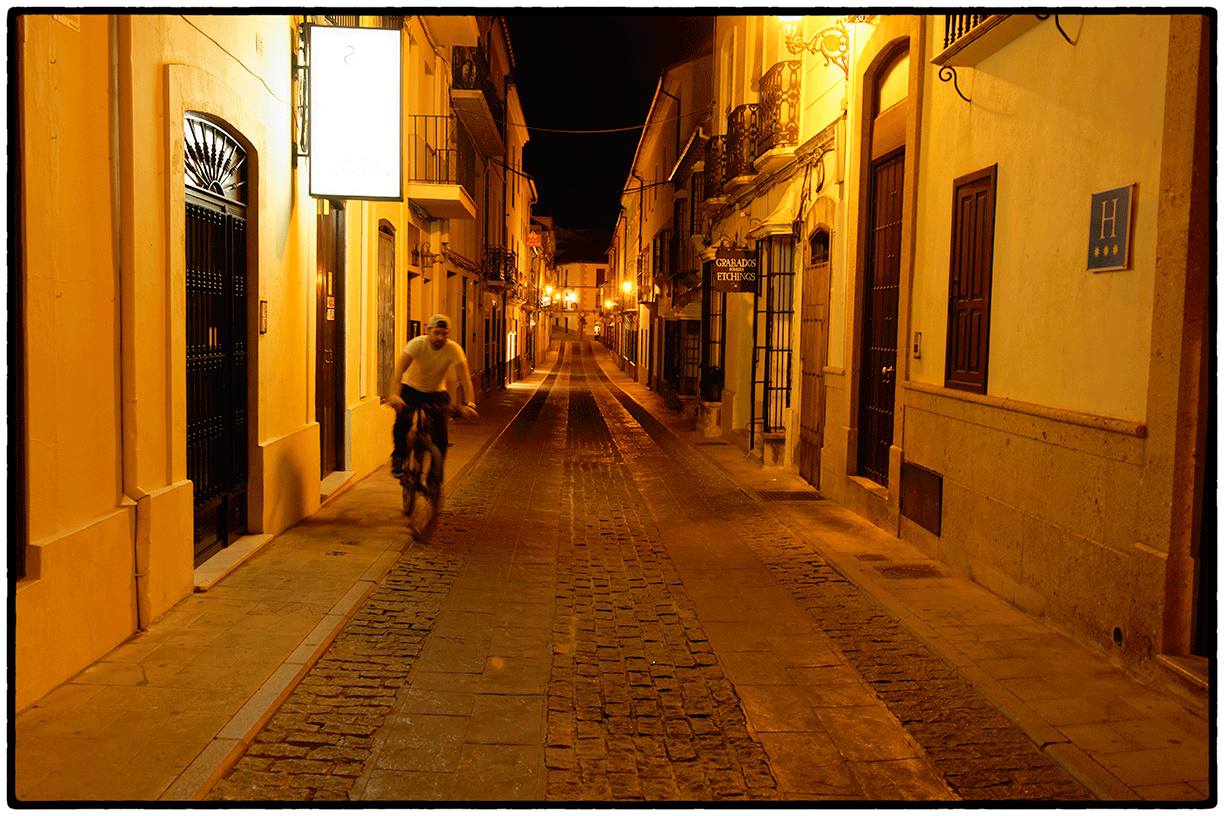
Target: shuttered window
x,y
972,259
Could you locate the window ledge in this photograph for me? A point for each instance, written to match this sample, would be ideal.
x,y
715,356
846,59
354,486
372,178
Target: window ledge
x,y
984,39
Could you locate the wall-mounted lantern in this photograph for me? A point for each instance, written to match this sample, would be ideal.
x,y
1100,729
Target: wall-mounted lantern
x,y
831,42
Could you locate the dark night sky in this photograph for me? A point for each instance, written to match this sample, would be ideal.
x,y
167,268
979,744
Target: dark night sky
x,y
587,71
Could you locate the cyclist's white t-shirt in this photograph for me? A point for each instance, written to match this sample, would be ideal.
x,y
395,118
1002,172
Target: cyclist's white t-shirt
x,y
429,365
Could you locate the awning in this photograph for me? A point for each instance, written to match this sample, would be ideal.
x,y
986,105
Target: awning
x,y
782,220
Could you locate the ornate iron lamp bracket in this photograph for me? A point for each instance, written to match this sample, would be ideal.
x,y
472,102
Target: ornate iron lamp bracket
x,y
831,42
951,74
300,72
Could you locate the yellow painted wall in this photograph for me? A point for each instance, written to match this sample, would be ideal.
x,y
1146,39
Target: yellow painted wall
x,y
77,600
1062,122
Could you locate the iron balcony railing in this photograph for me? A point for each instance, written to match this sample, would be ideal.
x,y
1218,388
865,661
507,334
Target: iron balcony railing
x,y
958,25
741,140
470,72
778,115
715,173
500,265
440,152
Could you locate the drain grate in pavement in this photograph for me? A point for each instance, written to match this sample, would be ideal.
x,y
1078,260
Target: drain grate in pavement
x,y
871,557
911,571
788,495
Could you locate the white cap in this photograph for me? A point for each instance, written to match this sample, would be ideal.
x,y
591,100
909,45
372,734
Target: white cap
x,y
439,321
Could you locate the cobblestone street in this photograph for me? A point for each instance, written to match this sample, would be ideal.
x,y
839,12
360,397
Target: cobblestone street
x,y
602,615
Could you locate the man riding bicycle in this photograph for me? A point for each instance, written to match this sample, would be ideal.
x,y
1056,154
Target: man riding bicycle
x,y
420,379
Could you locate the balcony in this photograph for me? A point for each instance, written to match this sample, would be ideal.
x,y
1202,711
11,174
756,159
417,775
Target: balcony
x,y
741,146
441,167
474,96
778,116
971,38
715,171
500,268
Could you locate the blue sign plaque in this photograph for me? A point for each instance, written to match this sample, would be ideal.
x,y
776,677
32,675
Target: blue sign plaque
x,y
1109,230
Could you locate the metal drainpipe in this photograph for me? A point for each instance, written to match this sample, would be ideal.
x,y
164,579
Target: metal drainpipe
x,y
133,495
679,113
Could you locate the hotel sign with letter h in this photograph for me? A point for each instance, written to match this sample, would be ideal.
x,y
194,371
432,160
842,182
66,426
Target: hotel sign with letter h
x,y
1109,230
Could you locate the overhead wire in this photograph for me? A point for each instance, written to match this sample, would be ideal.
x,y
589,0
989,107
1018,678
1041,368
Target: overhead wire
x,y
236,59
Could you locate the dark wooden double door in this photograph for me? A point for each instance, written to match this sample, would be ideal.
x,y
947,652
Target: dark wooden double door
x,y
329,367
217,389
881,290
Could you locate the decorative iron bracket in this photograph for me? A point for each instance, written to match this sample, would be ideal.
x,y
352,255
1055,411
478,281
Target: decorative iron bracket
x,y
300,77
951,74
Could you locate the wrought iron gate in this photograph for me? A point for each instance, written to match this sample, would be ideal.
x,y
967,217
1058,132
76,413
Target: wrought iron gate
x,y
215,255
216,375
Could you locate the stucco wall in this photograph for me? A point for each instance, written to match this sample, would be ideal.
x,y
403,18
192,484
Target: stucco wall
x,y
1062,122
1042,477
78,597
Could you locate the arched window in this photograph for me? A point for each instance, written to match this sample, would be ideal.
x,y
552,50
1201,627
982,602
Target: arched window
x,y
820,247
214,162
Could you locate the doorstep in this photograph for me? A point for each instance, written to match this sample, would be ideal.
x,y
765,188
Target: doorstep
x,y
228,560
333,483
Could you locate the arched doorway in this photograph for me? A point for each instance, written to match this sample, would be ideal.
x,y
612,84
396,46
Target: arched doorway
x,y
882,270
215,177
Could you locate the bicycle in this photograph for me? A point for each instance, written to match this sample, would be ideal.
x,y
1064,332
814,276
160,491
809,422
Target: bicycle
x,y
421,475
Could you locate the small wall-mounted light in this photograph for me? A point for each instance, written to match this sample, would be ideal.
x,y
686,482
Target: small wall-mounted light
x,y
424,256
608,304
627,286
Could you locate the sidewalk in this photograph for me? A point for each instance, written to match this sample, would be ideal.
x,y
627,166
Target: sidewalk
x,y
1116,735
164,713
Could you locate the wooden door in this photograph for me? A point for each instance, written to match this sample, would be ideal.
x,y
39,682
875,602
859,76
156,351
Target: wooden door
x,y
814,349
216,330
881,289
329,368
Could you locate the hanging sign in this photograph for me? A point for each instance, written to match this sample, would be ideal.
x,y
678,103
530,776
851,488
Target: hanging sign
x,y
735,270
533,239
355,138
1109,228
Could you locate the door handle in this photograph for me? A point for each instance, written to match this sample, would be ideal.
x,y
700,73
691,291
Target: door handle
x,y
887,370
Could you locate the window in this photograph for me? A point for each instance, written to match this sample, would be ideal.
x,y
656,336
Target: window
x,y
971,263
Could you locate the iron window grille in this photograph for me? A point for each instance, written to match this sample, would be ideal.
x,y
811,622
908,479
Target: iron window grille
x,y
713,330
773,324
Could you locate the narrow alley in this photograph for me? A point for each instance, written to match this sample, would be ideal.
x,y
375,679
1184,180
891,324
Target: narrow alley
x,y
608,611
